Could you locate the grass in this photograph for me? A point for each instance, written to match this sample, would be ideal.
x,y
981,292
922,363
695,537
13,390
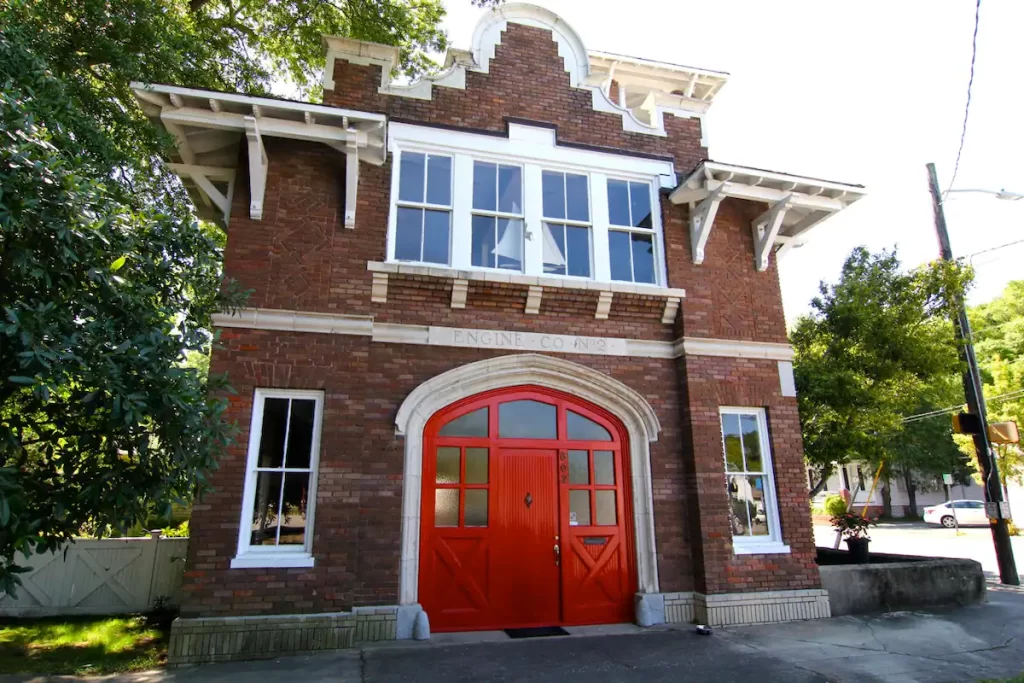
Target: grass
x,y
82,646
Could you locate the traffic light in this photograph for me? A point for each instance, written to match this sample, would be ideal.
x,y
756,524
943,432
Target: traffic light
x,y
967,423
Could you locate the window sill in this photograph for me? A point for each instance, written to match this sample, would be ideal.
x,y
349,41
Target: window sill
x,y
271,561
760,548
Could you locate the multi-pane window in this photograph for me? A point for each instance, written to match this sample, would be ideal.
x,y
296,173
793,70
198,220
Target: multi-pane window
x,y
461,475
631,239
753,511
280,479
497,216
591,475
566,220
424,208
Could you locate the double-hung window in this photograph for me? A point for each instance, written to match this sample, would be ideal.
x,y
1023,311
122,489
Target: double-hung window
x,y
280,483
631,238
566,214
750,482
423,229
497,216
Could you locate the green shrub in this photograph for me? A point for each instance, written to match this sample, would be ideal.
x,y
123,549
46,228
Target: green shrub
x,y
179,531
834,505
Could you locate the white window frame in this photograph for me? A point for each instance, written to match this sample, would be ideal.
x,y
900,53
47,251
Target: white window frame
x,y
423,206
249,556
497,214
535,149
631,230
772,543
569,222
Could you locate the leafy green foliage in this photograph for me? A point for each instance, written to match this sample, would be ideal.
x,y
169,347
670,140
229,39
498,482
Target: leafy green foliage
x,y
834,505
180,531
851,524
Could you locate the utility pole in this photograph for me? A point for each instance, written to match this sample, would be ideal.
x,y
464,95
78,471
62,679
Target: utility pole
x,y
976,404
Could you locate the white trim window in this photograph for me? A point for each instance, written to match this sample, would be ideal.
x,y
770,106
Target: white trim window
x,y
750,482
424,208
524,204
276,527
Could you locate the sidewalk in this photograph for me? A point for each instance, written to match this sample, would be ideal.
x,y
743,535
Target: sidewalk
x,y
966,644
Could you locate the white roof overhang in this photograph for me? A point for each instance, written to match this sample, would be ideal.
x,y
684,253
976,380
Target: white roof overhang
x,y
795,204
208,127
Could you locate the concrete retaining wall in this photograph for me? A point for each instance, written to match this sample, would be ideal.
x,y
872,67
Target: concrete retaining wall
x,y
886,586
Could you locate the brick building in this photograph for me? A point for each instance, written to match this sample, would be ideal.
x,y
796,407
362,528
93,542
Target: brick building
x,y
515,352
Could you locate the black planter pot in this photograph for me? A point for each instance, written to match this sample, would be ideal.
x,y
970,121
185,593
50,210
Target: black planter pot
x,y
858,550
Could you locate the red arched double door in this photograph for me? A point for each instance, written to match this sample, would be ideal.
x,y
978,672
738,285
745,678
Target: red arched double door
x,y
526,517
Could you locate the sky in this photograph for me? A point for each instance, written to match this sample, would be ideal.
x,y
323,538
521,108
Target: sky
x,y
863,92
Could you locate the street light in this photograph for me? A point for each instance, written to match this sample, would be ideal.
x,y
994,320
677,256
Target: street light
x,y
998,194
974,395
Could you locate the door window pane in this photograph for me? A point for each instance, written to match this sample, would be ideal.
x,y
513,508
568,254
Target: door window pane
x,y
476,466
640,205
619,253
579,508
435,237
470,424
527,420
604,468
439,180
605,508
446,507
751,443
447,465
577,241
293,512
643,258
275,420
411,176
584,429
579,467
618,202
485,183
265,509
484,241
409,234
300,433
476,507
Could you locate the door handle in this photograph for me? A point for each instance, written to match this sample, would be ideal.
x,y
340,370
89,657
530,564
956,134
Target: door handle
x,y
558,555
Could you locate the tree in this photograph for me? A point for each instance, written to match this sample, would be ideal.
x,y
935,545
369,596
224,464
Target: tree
x,y
107,281
870,351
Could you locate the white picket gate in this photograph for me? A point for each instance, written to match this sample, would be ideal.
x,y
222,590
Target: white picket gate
x,y
110,576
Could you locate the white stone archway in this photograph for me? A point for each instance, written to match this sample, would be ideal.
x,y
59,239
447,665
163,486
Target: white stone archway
x,y
546,371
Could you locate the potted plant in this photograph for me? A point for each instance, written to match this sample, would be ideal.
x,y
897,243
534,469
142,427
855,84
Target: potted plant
x,y
854,528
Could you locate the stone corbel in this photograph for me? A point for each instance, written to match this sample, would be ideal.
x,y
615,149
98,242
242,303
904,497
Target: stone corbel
x,y
671,308
460,289
765,229
604,305
533,299
379,288
702,218
257,168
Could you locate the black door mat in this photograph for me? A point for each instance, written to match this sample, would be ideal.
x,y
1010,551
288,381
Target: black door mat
x,y
537,632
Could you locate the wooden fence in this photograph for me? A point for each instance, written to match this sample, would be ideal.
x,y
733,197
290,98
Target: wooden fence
x,y
111,576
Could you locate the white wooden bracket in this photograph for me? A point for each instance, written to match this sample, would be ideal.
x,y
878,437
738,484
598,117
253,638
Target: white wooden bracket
x,y
257,168
702,218
533,299
351,181
765,229
379,288
671,308
204,177
460,288
604,305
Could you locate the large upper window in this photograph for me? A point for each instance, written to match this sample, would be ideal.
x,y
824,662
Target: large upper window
x,y
280,483
750,482
524,204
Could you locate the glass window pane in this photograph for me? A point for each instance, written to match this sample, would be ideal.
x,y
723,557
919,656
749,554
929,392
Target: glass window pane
x,y
576,197
476,466
579,467
483,241
618,202
758,511
578,242
264,509
409,234
751,443
554,194
510,189
554,249
300,433
579,508
293,517
470,424
583,428
435,237
605,508
619,255
447,465
509,251
446,507
604,468
740,505
527,420
275,418
733,447
439,180
485,180
640,204
643,258
410,178
476,507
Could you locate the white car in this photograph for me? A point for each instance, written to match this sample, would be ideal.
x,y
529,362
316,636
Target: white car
x,y
968,512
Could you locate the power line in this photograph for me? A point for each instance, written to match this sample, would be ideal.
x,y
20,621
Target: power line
x,y
967,107
1001,246
945,411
